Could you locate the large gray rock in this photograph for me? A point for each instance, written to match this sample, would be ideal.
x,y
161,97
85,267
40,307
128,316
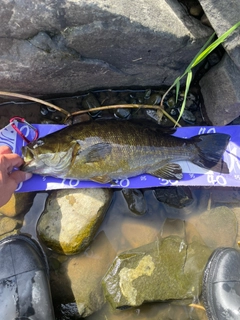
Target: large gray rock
x,y
64,46
220,90
222,16
220,86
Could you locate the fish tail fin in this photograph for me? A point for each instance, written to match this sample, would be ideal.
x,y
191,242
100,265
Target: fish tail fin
x,y
210,148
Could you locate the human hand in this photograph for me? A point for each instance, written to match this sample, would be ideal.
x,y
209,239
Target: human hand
x,y
10,179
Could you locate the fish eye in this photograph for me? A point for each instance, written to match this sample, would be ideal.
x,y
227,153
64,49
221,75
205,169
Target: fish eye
x,y
38,143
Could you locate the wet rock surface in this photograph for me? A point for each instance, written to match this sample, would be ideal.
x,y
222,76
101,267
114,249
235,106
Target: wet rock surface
x,y
72,218
159,271
126,279
224,220
138,233
8,226
153,311
178,197
81,277
173,227
135,200
12,213
19,203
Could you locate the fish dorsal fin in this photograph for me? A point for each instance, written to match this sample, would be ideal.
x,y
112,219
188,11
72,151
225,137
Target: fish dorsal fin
x,y
97,152
170,171
153,126
101,179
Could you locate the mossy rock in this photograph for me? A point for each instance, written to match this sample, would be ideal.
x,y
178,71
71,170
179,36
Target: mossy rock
x,y
166,269
72,217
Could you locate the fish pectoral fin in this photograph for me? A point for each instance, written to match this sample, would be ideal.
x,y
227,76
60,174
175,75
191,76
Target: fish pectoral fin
x,y
170,171
101,179
98,152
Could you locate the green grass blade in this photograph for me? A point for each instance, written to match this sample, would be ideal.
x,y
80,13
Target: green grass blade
x,y
188,82
200,52
214,45
177,90
200,56
196,56
176,81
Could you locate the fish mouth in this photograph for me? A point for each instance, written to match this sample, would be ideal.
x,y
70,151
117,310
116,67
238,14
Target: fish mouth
x,y
28,167
28,154
30,164
33,166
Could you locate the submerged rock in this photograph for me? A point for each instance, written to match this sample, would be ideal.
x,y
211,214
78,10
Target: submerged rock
x,y
67,311
218,227
90,102
72,217
188,116
8,226
18,203
135,201
82,278
152,311
138,232
163,270
177,197
173,227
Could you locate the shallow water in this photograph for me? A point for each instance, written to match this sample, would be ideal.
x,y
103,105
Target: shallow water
x,y
125,230
120,225
31,217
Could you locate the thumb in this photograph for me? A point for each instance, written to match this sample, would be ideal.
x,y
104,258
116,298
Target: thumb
x,y
20,176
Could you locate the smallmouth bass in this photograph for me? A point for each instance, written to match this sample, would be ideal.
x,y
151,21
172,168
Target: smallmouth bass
x,y
105,150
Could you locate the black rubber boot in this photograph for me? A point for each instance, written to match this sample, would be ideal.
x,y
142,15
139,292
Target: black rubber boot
x,y
221,285
24,285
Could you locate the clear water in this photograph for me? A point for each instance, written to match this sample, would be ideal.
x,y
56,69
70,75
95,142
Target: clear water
x,y
122,230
